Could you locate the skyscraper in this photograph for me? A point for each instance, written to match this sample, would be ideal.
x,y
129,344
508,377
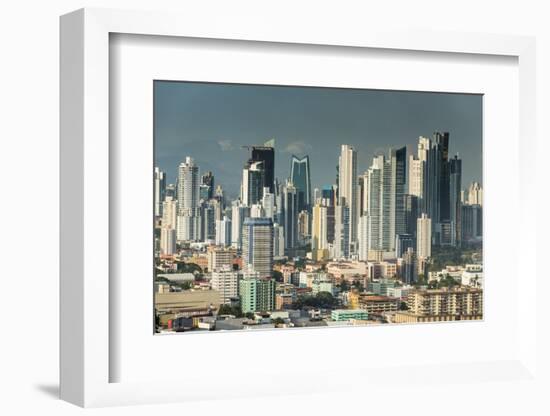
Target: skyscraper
x,y
188,221
252,184
223,232
475,194
266,155
455,203
319,229
238,213
424,237
207,180
398,169
300,177
411,214
402,243
169,213
167,241
342,231
257,247
268,203
347,190
159,190
290,215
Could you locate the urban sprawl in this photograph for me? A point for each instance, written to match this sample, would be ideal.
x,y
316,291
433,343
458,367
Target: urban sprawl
x,y
399,243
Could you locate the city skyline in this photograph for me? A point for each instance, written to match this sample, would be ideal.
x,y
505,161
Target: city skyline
x,y
251,115
375,242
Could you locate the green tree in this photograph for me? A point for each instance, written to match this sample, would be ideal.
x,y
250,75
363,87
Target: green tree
x,y
278,276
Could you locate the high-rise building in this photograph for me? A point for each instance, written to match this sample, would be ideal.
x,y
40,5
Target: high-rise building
x,y
342,232
223,232
220,258
424,237
167,241
278,241
257,211
266,155
226,282
455,202
257,245
159,190
207,183
398,175
303,227
363,238
188,221
319,239
347,190
238,213
256,294
402,243
252,184
289,215
300,177
408,267
268,203
169,213
472,223
475,194
411,214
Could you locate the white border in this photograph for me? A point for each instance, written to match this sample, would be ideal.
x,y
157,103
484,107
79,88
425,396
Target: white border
x,y
85,184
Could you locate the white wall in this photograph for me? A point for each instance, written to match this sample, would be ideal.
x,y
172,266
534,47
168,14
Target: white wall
x,y
29,172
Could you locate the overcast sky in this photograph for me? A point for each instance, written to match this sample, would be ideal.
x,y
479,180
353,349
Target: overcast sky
x,y
210,122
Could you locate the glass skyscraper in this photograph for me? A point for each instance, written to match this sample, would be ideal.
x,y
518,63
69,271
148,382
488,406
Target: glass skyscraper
x,y
301,178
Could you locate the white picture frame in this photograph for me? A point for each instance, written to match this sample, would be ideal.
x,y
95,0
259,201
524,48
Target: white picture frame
x,y
86,354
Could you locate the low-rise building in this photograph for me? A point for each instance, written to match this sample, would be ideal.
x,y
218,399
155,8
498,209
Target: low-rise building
x,y
378,305
348,314
459,303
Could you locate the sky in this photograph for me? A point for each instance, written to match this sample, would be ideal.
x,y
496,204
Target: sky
x,y
211,122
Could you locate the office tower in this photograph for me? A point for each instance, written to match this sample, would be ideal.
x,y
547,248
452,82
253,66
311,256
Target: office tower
x,y
208,221
398,172
207,182
266,155
342,231
278,241
238,213
188,221
268,204
223,232
347,189
441,142
475,194
159,190
226,282
319,229
408,270
204,192
363,237
290,215
411,214
219,195
167,241
328,193
455,203
472,223
257,211
252,183
256,294
169,213
424,237
257,245
402,243
300,177
303,227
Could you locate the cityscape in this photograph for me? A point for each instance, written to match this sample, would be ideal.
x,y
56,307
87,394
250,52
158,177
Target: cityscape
x,y
397,242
